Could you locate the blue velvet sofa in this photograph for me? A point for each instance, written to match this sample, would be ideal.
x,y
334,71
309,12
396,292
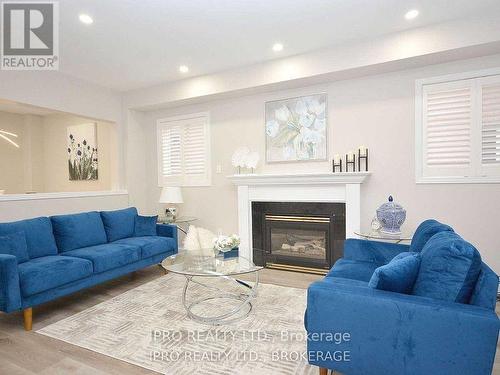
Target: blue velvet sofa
x,y
433,324
44,258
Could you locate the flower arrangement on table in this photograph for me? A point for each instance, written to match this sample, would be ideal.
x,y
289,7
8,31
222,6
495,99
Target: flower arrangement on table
x,y
226,243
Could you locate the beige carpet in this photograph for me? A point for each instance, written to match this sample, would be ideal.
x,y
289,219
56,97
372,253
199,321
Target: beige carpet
x,y
147,326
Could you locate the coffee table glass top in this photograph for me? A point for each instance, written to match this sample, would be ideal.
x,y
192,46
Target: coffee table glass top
x,y
206,263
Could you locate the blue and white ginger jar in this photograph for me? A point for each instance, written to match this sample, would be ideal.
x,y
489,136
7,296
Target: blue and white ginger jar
x,y
391,216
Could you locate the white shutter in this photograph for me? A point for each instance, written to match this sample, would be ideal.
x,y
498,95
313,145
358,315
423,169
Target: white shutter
x,y
490,126
170,146
447,129
184,151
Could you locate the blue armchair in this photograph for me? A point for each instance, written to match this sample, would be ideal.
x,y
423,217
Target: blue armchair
x,y
392,333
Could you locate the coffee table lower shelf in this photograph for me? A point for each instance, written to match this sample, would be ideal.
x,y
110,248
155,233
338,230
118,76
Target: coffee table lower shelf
x,y
242,300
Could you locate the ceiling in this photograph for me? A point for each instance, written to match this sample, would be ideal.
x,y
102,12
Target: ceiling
x,y
134,44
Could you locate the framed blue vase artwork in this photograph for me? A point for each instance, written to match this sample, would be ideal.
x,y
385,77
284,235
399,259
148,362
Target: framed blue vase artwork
x,y
297,129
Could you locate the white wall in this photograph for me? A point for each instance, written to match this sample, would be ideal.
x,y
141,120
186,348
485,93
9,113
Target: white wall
x,y
56,178
377,111
22,209
12,158
56,91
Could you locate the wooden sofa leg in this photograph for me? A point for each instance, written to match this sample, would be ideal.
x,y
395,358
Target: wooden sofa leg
x,y
323,371
163,269
28,319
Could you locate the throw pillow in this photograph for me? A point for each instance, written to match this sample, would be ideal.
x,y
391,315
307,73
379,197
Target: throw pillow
x,y
119,223
145,226
15,244
449,269
398,275
425,231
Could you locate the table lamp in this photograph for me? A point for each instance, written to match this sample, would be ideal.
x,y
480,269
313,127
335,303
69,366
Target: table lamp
x,y
171,195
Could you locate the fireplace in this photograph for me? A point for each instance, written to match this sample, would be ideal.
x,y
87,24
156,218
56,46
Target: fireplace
x,y
298,236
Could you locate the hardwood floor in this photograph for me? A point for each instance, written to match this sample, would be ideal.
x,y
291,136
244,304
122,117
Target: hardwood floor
x,y
23,353
27,353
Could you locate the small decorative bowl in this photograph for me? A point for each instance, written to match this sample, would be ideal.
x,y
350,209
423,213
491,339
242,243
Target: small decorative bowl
x,y
391,216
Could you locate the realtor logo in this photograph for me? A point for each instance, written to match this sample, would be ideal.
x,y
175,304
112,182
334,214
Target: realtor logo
x,y
30,36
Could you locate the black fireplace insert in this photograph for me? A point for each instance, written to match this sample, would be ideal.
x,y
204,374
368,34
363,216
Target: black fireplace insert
x,y
298,236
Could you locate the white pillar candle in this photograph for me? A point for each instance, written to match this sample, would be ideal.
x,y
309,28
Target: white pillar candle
x,y
350,156
336,158
362,150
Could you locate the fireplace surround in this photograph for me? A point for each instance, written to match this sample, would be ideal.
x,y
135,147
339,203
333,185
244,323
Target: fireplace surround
x,y
298,236
306,187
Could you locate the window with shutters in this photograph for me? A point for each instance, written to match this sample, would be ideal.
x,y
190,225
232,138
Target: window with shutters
x,y
184,150
458,129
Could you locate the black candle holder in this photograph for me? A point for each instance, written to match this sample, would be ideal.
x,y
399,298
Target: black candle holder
x,y
365,158
335,166
350,162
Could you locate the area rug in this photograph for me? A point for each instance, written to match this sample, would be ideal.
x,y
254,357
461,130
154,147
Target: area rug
x,y
148,326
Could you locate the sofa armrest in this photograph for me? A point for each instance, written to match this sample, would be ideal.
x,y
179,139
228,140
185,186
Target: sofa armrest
x,y
372,251
167,230
10,292
392,333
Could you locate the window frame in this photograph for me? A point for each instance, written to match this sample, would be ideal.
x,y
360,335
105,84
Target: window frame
x,y
419,130
183,180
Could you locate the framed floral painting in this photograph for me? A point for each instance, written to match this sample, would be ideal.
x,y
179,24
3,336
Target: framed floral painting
x,y
296,129
82,152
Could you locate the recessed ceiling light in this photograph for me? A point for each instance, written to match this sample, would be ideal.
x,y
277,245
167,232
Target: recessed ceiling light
x,y
411,14
277,47
86,19
183,69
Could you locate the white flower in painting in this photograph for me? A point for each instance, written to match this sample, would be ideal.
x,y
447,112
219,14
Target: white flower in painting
x,y
252,159
311,136
316,107
306,120
272,128
320,124
239,157
288,152
301,107
282,114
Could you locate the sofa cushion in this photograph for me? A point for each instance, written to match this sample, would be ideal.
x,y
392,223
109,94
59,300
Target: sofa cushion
x,y
425,231
44,273
150,246
145,226
15,244
107,257
346,282
398,275
486,289
449,269
120,223
38,232
78,230
353,269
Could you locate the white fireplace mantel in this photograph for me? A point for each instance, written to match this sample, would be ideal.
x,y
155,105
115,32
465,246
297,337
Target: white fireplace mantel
x,y
307,187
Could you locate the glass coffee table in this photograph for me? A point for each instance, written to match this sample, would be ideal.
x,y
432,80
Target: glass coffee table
x,y
232,297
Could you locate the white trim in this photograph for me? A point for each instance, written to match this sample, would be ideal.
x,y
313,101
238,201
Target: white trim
x,y
62,195
419,86
459,180
458,76
304,178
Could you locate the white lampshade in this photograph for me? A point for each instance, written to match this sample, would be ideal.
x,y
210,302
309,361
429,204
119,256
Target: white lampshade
x,y
171,194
